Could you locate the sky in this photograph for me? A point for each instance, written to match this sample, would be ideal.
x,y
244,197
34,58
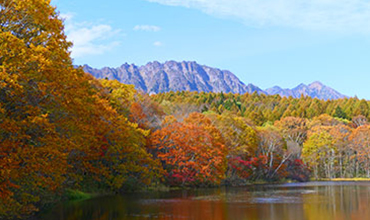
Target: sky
x,y
263,42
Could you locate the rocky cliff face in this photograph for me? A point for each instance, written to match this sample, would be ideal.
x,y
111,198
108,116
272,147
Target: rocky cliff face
x,y
156,77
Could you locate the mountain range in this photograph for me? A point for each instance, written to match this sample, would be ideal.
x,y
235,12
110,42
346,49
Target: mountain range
x,y
155,77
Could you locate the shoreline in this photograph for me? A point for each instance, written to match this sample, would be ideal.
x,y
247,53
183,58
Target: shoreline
x,y
360,179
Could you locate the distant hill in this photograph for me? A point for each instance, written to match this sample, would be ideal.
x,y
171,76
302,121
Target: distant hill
x,y
156,77
315,90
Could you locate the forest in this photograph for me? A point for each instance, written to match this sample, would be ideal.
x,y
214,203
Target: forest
x,y
61,129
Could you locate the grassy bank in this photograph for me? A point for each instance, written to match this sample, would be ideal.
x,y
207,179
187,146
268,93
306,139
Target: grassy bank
x,y
357,179
78,195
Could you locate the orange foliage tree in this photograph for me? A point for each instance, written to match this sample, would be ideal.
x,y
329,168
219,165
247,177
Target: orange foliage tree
x,y
360,144
193,152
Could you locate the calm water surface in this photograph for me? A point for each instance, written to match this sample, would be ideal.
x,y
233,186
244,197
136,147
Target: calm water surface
x,y
314,200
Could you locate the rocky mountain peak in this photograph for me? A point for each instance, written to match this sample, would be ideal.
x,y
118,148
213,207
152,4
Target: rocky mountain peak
x,y
316,85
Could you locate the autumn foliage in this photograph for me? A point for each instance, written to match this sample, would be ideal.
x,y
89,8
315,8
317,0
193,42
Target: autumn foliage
x,y
58,127
193,152
61,129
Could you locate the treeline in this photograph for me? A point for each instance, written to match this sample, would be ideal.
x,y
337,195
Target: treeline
x,y
61,129
331,138
263,108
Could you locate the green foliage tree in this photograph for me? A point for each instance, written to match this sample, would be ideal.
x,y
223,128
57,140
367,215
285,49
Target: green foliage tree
x,y
339,113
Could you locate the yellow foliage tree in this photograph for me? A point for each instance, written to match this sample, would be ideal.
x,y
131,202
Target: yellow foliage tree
x,y
58,127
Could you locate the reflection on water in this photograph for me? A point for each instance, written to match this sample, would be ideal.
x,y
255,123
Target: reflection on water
x,y
316,200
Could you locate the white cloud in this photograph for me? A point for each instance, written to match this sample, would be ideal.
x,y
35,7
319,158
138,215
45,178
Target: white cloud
x,y
67,16
329,15
157,44
88,38
151,28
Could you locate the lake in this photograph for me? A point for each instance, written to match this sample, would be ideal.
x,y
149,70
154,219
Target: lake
x,y
313,200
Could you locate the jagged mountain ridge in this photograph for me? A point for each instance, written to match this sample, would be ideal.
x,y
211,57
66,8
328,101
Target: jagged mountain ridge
x,y
314,90
155,77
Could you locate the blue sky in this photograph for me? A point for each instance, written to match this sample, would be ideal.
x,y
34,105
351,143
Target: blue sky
x,y
264,42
